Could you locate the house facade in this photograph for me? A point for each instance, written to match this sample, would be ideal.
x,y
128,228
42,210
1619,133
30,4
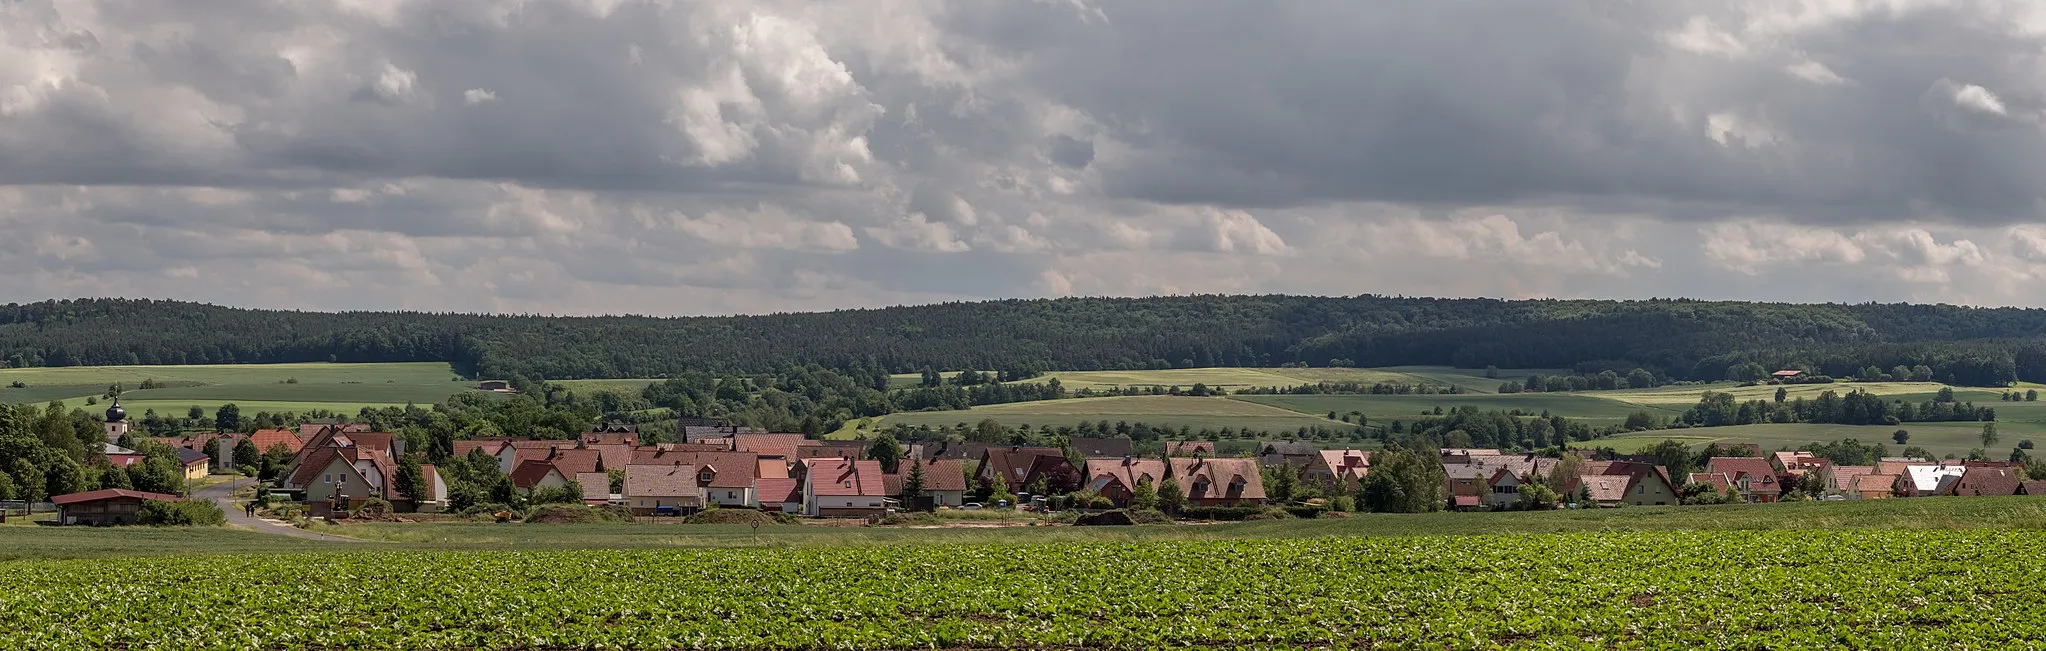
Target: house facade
x,y
843,488
668,489
104,507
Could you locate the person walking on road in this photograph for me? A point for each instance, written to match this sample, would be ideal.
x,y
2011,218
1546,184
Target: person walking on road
x,y
250,508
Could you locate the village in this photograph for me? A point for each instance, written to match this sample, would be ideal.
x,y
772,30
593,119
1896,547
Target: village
x,y
336,468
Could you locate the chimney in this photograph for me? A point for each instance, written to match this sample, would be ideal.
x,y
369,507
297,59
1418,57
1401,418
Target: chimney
x,y
1126,460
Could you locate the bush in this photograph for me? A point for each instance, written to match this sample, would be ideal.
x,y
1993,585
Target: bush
x,y
1225,513
182,513
575,514
787,518
1149,516
1099,502
371,509
1269,514
1343,503
1307,512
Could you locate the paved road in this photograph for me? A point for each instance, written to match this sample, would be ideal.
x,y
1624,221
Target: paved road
x,y
223,495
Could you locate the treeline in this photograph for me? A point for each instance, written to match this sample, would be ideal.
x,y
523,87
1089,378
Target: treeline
x,y
1147,438
1354,388
1468,427
1605,380
1857,407
1676,339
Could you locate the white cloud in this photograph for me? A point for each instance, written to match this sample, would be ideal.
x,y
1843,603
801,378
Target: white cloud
x,y
476,96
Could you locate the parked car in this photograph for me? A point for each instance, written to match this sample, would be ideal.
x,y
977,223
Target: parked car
x,y
970,506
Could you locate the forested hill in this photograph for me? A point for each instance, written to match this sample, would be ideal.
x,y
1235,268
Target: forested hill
x,y
1681,338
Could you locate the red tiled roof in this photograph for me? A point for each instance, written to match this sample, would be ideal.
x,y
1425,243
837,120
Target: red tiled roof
x,y
1126,471
733,469
596,486
110,493
489,446
780,491
1219,475
1013,463
531,472
945,475
1988,481
1875,482
844,477
1189,448
575,462
264,439
1844,476
1761,476
782,445
1606,488
1718,481
660,481
615,455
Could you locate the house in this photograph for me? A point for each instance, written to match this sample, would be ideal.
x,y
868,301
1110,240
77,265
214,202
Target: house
x,y
929,452
944,482
1189,449
1503,489
318,453
494,385
266,440
1844,479
692,430
1108,448
2032,488
843,488
1298,454
782,495
1786,374
1718,481
1988,482
608,434
1928,479
1605,490
1117,478
1874,486
1647,483
104,507
813,449
1021,466
558,468
724,478
1797,464
1341,470
1754,478
196,463
768,445
353,473
662,489
596,489
120,457
1467,485
1464,455
1218,482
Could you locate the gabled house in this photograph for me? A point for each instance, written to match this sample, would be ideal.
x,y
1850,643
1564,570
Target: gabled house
x,y
784,495
1717,480
507,456
266,440
1502,489
120,457
1219,482
1341,470
843,488
944,482
1927,479
1753,477
356,473
662,490
1605,490
2032,488
1117,478
1988,482
1843,480
196,463
725,478
105,506
1647,484
1874,486
313,460
1020,466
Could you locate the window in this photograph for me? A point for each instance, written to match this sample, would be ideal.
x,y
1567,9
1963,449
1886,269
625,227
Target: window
x,y
731,495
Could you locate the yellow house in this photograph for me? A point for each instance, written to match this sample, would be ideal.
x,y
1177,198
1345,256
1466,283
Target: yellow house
x,y
196,463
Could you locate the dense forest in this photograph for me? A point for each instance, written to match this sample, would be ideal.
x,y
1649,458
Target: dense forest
x,y
1678,339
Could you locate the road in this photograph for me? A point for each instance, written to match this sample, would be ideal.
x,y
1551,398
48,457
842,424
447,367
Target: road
x,y
223,496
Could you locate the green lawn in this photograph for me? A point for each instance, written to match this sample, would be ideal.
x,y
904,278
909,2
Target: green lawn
x,y
1471,379
1173,411
1385,409
253,387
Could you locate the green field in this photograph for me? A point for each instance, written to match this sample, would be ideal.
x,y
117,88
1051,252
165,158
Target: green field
x,y
1240,377
1941,439
1385,409
1470,379
1172,411
252,387
1725,589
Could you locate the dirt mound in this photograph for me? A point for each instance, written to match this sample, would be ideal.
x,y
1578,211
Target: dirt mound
x,y
731,516
1105,519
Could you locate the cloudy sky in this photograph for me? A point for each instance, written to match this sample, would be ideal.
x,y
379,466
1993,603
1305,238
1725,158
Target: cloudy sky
x,y
726,156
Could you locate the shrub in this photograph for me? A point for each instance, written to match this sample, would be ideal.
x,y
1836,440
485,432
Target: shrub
x,y
371,509
1217,512
1307,512
1149,516
182,513
1099,502
1269,514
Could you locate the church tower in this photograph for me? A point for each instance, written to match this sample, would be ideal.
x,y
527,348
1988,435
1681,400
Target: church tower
x,y
117,421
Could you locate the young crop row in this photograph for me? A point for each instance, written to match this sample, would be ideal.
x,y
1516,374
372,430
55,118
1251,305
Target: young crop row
x,y
1777,590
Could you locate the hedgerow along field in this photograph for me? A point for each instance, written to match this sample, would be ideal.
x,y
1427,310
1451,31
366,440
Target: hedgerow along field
x,y
252,387
1728,589
1172,411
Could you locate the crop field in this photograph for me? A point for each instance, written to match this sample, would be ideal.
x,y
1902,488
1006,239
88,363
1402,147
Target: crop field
x,y
1385,409
1171,411
1470,379
252,387
1726,589
1685,396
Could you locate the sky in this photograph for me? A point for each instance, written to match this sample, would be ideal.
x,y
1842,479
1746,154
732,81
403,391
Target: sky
x,y
750,156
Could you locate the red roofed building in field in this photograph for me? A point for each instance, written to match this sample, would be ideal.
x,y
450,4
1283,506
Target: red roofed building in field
x,y
1752,477
102,507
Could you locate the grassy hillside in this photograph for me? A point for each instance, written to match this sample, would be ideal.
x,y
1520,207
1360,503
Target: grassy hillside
x,y
1174,411
1383,409
252,387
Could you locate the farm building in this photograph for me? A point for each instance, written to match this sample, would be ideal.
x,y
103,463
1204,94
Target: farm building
x,y
104,507
196,463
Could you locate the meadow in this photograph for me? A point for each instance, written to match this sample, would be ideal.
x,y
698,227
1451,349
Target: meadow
x,y
1173,411
252,387
1726,588
1241,377
1384,409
